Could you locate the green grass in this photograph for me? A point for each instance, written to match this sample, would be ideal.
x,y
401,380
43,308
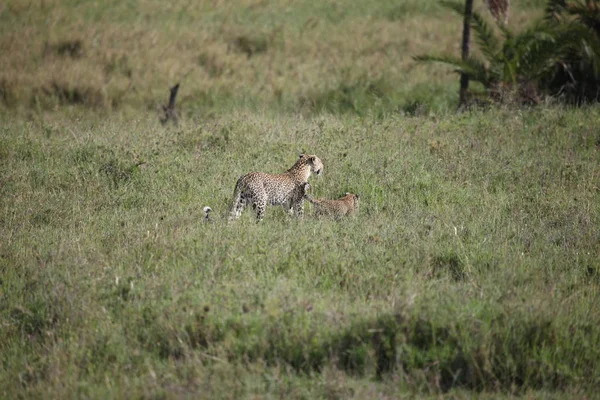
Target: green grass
x,y
293,56
471,269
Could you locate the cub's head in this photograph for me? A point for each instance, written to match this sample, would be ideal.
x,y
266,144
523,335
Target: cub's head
x,y
316,165
354,198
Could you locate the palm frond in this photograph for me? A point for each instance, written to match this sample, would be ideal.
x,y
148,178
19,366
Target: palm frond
x,y
586,12
474,68
446,59
507,34
578,44
554,9
537,51
455,6
486,39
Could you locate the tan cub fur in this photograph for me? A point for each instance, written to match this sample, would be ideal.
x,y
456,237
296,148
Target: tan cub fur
x,y
344,206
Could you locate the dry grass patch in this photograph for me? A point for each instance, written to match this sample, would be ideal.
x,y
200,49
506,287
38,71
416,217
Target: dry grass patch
x,y
253,53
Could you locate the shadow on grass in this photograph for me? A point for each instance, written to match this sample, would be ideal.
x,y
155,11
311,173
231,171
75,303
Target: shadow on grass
x,y
507,353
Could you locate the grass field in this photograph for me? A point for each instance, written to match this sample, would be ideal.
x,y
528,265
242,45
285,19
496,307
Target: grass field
x,y
298,56
471,270
473,262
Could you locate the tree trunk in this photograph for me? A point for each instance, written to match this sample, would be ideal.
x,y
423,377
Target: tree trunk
x,y
466,44
169,109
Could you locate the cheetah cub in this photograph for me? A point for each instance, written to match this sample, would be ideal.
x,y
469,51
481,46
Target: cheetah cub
x,y
344,206
260,189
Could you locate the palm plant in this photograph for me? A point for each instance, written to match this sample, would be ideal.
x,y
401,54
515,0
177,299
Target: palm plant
x,y
508,62
577,27
559,55
586,13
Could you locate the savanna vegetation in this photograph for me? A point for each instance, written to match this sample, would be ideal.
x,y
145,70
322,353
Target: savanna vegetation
x,y
471,269
556,56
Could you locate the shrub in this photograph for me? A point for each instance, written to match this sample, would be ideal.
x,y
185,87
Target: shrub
x,y
559,55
